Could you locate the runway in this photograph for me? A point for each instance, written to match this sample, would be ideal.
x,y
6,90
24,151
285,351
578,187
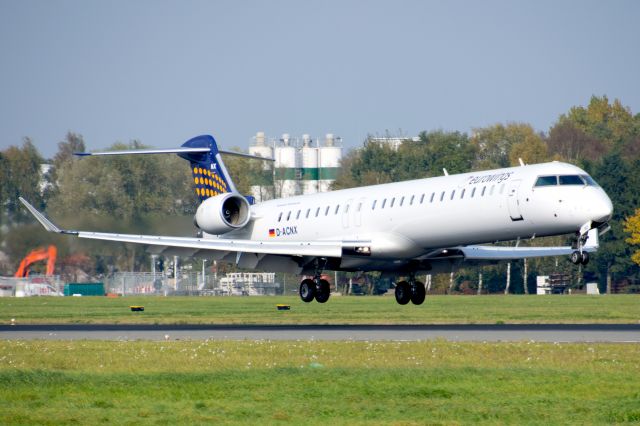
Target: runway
x,y
480,333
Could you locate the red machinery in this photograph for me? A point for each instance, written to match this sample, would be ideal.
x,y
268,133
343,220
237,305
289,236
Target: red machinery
x,y
50,253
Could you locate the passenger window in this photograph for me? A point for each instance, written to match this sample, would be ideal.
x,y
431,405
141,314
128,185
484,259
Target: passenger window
x,y
359,207
411,200
280,217
473,192
547,181
288,215
346,209
401,201
317,211
484,188
462,194
421,198
326,212
337,208
383,203
571,180
433,194
373,206
298,215
393,200
308,211
442,196
453,194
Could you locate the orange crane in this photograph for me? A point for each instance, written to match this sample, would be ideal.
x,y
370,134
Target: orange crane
x,y
50,253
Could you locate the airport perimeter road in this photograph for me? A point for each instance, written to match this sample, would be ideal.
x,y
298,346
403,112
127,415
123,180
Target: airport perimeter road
x,y
489,333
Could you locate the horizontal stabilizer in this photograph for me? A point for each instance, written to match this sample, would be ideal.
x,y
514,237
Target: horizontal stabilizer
x,y
197,150
146,151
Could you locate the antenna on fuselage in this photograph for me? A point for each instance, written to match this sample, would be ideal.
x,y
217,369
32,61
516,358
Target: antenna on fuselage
x,y
521,162
446,173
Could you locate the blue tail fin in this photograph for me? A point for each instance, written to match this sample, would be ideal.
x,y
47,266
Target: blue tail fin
x,y
210,176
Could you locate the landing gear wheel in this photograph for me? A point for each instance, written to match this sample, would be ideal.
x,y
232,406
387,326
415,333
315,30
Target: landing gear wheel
x,y
403,292
585,258
418,293
307,290
576,258
323,291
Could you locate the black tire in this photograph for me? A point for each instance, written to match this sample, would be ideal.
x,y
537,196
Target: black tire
x,y
585,258
576,258
307,290
418,293
403,292
323,291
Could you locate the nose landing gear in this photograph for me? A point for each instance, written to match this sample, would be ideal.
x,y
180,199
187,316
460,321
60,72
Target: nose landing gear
x,y
413,291
580,256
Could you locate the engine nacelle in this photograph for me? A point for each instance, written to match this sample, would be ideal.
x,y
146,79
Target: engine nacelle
x,y
222,213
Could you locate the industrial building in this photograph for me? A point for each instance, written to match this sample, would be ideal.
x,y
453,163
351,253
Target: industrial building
x,y
302,165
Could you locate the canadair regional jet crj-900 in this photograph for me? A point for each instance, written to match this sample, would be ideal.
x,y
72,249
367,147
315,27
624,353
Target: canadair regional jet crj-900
x,y
404,228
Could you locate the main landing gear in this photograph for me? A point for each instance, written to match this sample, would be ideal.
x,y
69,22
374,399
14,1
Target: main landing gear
x,y
413,291
316,288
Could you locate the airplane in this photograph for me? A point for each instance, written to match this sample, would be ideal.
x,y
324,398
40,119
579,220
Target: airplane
x,y
403,229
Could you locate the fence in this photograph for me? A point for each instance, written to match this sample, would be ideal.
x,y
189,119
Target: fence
x,y
35,285
192,284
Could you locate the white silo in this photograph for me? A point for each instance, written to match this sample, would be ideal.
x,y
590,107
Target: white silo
x,y
309,164
329,156
263,190
286,179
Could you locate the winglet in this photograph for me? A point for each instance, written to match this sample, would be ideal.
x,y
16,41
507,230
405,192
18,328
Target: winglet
x,y
48,225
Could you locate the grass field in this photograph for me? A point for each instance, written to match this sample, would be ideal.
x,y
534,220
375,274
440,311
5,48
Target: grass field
x,y
339,310
263,382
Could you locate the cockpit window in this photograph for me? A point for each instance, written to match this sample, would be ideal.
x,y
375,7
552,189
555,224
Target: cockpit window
x,y
547,181
589,180
571,180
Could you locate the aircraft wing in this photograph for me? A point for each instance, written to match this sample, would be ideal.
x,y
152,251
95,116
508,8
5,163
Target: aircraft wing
x,y
298,248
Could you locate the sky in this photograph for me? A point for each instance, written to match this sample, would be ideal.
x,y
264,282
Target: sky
x,y
164,71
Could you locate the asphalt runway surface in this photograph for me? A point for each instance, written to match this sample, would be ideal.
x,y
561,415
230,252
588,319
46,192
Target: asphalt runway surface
x,y
479,333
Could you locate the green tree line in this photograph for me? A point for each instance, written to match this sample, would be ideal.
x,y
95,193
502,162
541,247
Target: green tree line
x,y
153,194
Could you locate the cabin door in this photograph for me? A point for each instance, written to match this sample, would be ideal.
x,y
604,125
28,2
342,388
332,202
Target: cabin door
x,y
513,201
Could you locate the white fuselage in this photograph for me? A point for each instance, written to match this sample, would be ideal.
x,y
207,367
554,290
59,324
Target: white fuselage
x,y
407,219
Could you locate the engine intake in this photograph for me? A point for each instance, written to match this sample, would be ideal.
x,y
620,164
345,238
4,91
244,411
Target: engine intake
x,y
222,213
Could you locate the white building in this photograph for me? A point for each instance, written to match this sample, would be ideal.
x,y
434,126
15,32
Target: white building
x,y
302,165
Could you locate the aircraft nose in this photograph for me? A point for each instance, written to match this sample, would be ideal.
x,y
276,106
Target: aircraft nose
x,y
601,208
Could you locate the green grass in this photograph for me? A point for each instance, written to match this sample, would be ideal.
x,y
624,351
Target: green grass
x,y
263,382
339,310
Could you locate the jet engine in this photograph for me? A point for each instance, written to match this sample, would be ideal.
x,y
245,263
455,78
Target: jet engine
x,y
222,213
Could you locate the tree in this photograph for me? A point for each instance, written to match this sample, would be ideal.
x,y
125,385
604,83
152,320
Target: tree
x,y
632,227
21,177
567,142
610,123
614,258
501,146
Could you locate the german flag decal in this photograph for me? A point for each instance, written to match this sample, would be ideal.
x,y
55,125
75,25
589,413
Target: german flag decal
x,y
272,232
